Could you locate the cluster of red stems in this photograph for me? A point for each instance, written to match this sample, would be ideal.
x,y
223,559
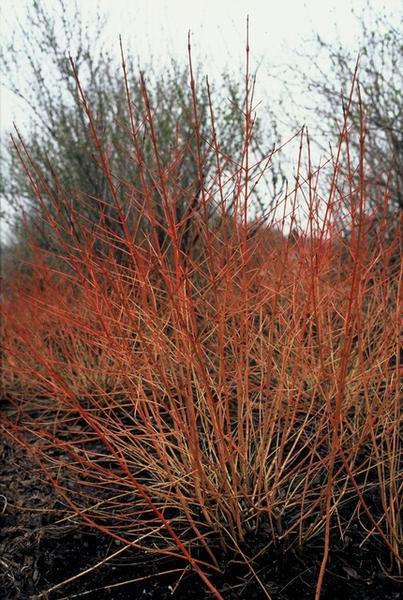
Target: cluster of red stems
x,y
182,397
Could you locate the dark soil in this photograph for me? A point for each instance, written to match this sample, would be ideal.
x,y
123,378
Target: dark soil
x,y
40,547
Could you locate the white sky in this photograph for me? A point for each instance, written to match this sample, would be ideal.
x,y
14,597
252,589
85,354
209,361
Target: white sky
x,y
278,28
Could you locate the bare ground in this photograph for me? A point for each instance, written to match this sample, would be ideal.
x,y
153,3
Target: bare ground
x,y
40,548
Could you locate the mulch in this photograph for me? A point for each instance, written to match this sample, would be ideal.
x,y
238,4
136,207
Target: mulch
x,y
41,545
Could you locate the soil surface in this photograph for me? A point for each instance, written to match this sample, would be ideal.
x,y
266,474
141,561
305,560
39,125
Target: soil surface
x,y
41,547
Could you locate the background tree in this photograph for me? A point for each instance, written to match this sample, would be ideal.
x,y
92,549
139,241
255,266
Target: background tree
x,y
327,73
59,139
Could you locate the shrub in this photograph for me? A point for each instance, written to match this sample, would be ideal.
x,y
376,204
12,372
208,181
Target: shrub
x,y
223,380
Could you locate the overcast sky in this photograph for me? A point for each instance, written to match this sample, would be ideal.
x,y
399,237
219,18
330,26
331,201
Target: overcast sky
x,y
278,29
